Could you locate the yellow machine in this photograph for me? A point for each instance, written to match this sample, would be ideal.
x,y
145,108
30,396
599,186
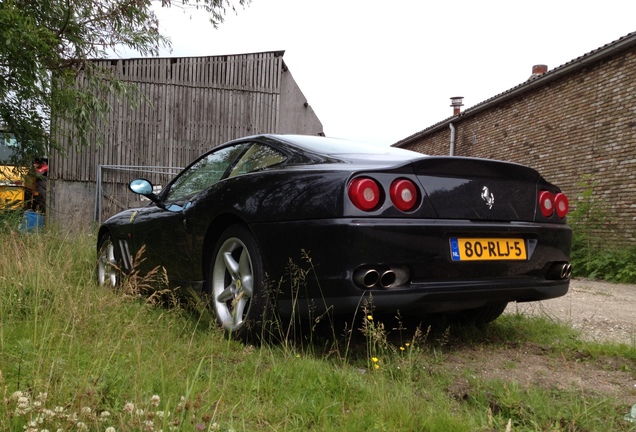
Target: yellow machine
x,y
21,187
12,186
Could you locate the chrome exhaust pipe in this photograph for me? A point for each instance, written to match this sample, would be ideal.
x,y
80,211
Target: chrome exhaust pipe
x,y
387,278
559,271
366,277
381,276
566,271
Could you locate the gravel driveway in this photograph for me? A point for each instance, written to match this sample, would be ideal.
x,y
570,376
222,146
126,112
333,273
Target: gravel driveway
x,y
600,310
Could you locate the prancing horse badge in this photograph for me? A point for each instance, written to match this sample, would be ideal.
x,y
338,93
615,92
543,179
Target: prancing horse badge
x,y
487,196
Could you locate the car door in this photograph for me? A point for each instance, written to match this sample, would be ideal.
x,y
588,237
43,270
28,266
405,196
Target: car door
x,y
165,230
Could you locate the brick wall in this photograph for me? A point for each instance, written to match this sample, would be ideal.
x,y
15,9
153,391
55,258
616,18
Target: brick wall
x,y
581,126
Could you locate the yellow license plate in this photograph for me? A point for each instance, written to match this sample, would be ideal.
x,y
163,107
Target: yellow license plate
x,y
485,249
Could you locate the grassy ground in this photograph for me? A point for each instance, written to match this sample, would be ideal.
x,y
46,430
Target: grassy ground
x,y
73,357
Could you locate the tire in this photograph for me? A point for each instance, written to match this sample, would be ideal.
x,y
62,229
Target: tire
x,y
108,263
482,315
235,282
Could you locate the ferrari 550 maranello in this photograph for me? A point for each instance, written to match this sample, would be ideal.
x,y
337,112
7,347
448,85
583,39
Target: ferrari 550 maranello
x,y
418,234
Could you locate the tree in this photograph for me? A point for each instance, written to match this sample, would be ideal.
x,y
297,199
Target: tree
x,y
46,47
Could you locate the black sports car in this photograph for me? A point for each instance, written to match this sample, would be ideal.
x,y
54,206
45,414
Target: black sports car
x,y
419,234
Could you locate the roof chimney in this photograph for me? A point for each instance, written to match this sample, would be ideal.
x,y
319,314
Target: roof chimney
x,y
537,71
456,103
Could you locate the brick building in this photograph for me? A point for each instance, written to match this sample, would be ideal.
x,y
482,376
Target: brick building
x,y
574,123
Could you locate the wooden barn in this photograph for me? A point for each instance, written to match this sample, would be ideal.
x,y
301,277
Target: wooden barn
x,y
187,106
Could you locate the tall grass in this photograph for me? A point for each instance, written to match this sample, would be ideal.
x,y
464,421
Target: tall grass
x,y
74,357
592,256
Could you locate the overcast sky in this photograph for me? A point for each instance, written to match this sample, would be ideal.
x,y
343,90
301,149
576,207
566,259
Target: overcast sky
x,y
380,71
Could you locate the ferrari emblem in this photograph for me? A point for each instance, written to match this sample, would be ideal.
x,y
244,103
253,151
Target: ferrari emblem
x,y
488,197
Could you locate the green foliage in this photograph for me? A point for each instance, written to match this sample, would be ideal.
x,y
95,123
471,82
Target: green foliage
x,y
591,256
10,218
45,51
74,357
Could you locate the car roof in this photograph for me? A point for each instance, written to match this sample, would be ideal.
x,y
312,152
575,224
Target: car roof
x,y
345,149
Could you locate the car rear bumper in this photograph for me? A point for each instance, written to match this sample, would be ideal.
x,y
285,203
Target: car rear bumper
x,y
336,250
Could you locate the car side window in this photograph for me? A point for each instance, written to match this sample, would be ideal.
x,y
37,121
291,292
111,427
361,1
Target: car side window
x,y
258,157
204,173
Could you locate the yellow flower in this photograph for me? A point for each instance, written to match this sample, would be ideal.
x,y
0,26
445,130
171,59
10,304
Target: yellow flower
x,y
376,366
402,348
370,317
374,359
407,344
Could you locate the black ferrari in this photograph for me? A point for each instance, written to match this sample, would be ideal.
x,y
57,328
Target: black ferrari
x,y
397,229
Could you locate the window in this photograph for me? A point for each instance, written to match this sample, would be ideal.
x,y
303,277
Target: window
x,y
8,146
210,169
258,157
204,173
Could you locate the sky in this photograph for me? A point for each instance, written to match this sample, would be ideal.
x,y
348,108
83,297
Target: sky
x,y
380,71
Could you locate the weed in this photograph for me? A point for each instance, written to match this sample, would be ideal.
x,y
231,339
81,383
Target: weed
x,y
75,357
592,257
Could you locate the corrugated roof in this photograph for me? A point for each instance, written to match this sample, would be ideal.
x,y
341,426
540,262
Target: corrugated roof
x,y
276,53
576,64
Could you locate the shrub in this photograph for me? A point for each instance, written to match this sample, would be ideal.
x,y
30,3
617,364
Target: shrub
x,y
591,256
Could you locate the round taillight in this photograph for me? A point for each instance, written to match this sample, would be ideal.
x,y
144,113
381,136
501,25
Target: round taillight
x,y
561,204
364,193
403,194
546,203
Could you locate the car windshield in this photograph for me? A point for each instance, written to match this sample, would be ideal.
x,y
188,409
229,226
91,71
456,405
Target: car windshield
x,y
211,168
204,173
335,146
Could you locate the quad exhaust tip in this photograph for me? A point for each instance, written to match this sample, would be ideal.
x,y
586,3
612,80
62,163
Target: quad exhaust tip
x,y
566,271
559,271
368,278
380,276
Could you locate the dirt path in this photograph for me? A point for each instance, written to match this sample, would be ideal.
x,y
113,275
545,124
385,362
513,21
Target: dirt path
x,y
601,311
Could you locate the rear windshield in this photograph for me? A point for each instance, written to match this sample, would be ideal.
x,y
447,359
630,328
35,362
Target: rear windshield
x,y
335,146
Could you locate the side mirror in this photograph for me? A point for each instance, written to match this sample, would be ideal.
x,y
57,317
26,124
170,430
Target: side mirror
x,y
144,187
141,187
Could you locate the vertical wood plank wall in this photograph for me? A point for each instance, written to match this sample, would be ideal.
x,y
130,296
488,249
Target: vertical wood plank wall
x,y
188,106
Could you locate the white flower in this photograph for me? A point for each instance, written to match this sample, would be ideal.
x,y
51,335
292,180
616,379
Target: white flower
x,y
22,407
155,400
129,407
